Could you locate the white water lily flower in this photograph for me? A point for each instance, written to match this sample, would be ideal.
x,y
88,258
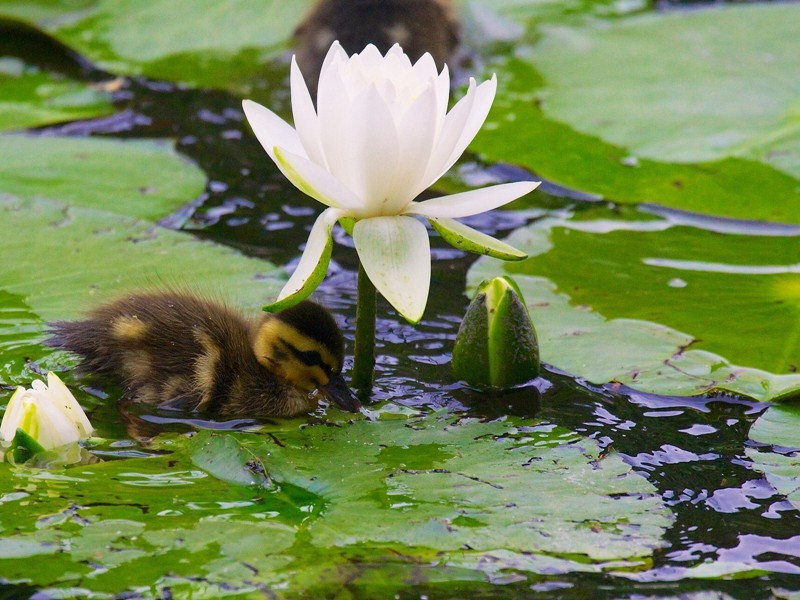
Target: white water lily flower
x,y
380,136
48,413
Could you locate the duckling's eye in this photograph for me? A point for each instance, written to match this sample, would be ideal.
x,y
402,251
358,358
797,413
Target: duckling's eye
x,y
310,358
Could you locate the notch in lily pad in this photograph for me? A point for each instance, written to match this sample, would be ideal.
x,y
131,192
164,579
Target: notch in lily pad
x,y
496,345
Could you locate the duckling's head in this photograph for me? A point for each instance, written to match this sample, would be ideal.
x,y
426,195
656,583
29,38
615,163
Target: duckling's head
x,y
304,347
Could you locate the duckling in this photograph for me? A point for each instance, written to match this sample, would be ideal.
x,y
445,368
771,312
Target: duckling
x,y
419,26
183,350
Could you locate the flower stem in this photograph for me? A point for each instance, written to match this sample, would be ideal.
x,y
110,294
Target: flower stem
x,y
364,362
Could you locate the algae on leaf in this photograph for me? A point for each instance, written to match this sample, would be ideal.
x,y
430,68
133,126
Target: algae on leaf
x,y
659,307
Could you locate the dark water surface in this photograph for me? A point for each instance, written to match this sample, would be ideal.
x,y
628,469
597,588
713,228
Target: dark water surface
x,y
692,450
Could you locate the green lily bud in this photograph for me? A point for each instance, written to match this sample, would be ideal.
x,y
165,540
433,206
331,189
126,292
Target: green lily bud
x,y
496,344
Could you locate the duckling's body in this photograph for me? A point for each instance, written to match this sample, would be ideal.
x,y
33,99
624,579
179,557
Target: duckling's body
x,y
179,348
419,26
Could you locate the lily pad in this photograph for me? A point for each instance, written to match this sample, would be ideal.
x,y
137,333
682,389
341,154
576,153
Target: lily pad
x,y
779,427
141,179
457,485
696,87
30,97
178,40
73,215
672,92
437,497
662,308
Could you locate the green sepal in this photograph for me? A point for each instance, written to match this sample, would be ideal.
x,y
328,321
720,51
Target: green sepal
x,y
496,345
347,224
311,284
468,239
23,447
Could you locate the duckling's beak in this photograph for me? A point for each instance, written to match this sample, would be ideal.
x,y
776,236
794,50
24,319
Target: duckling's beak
x,y
338,391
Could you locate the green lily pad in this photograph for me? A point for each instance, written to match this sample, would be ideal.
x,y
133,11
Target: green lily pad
x,y
31,98
662,308
466,485
699,86
779,426
141,179
215,44
73,216
567,111
436,498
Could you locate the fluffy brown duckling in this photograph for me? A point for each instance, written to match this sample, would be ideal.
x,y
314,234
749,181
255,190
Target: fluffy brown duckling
x,y
419,26
182,350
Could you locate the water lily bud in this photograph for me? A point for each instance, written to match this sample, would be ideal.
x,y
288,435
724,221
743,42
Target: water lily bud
x,y
43,418
496,344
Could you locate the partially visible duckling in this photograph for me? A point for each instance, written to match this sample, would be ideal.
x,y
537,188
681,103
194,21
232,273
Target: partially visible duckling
x,y
178,348
419,26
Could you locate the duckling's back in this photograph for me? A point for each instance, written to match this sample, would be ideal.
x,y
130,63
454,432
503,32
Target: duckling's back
x,y
168,347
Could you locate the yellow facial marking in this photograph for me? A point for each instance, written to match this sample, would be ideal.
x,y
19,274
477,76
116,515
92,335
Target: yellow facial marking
x,y
269,337
128,329
205,367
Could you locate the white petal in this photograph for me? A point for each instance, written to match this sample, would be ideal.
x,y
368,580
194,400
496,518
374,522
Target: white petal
x,y
443,90
311,179
370,57
425,67
420,128
374,155
306,122
334,107
484,97
313,265
468,239
62,398
52,428
395,253
271,130
335,55
473,202
451,132
12,416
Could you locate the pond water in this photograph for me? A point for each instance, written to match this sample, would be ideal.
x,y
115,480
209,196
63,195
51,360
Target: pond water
x,y
157,519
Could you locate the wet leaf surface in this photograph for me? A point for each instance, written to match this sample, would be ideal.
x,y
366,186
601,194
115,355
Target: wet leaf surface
x,y
661,307
779,428
442,493
566,111
30,97
177,40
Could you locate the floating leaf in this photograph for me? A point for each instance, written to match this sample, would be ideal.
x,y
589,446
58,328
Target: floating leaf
x,y
567,111
224,458
739,100
31,98
179,40
436,497
779,426
450,485
657,306
142,179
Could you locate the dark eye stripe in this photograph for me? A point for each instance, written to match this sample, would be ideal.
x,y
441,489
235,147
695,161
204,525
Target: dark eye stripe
x,y
310,358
